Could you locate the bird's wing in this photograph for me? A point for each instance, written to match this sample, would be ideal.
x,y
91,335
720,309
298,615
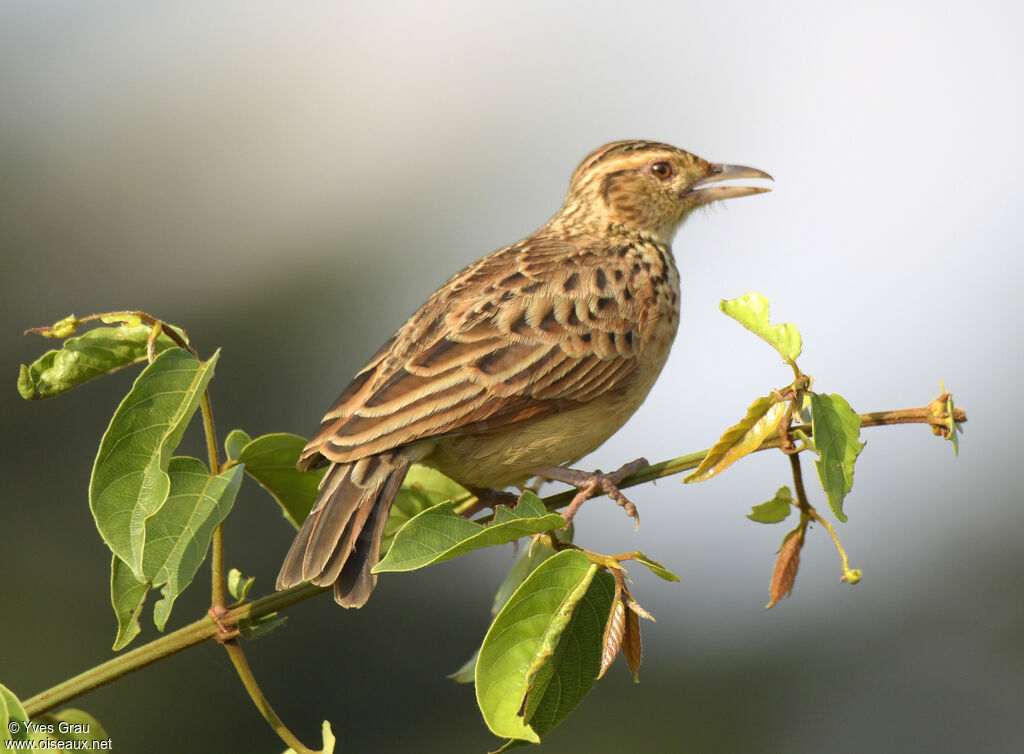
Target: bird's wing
x,y
536,328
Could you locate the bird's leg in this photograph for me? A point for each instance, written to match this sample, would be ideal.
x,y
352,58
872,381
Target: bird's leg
x,y
590,483
488,498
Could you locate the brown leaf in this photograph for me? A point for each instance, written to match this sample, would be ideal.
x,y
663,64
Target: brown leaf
x,y
786,565
632,648
613,631
635,607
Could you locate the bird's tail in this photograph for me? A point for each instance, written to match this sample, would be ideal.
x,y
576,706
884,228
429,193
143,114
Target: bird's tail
x,y
340,540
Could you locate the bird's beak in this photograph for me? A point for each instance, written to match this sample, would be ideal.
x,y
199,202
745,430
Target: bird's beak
x,y
725,173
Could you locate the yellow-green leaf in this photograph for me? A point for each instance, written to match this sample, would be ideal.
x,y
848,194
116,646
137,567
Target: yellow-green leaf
x,y
78,360
655,567
239,585
751,311
329,740
762,421
775,510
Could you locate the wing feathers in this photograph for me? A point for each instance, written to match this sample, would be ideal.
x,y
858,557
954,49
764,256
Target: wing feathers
x,y
494,346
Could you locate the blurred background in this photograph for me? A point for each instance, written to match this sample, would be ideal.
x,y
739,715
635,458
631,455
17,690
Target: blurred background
x,y
289,181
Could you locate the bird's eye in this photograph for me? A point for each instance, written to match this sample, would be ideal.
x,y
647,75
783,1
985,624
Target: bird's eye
x,y
662,169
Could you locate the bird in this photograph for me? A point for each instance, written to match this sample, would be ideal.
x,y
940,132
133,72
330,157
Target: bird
x,y
521,364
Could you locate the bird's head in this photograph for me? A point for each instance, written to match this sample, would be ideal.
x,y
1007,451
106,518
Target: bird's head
x,y
648,187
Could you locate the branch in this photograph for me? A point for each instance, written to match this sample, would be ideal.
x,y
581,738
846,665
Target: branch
x,y
207,628
218,597
241,664
932,414
195,633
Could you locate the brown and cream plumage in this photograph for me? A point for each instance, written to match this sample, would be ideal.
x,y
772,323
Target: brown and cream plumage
x,y
526,360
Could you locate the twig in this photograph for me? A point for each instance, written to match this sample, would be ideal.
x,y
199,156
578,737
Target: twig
x,y
241,664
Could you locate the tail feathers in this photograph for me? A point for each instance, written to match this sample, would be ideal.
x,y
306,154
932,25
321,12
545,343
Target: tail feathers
x,y
340,540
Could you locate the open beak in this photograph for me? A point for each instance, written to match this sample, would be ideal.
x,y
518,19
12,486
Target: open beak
x,y
725,173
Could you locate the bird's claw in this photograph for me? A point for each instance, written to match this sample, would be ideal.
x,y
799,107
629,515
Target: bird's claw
x,y
591,483
488,499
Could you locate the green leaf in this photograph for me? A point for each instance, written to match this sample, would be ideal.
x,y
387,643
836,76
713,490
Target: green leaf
x,y
836,430
527,563
438,534
178,536
329,741
751,311
127,596
270,460
422,488
235,442
576,663
94,354
238,585
656,568
13,720
762,421
516,656
774,510
466,673
175,542
129,478
68,725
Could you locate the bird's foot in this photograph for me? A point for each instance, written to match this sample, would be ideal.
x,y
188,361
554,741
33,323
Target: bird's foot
x,y
489,499
591,483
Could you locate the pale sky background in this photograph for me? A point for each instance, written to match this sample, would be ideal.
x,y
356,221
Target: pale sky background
x,y
289,181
